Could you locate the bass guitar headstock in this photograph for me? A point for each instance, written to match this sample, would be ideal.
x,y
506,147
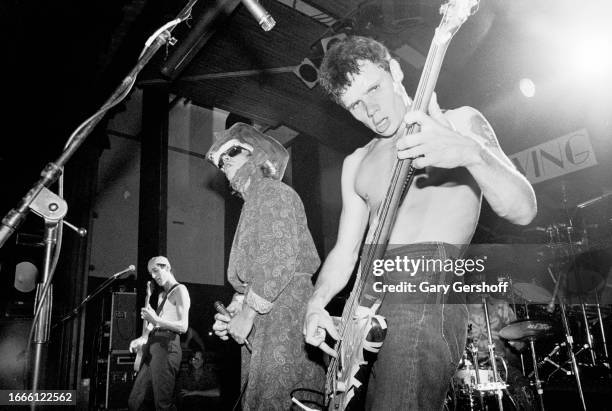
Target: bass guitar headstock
x,y
454,14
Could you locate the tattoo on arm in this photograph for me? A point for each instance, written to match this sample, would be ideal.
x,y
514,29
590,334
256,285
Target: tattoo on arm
x,y
480,127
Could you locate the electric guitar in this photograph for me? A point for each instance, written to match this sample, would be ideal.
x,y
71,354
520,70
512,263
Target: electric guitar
x,y
146,329
362,331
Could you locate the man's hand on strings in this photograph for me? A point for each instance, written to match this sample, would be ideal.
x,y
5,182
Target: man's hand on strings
x,y
435,143
317,324
149,315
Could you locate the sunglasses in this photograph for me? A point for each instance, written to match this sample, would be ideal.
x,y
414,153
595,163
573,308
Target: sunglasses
x,y
232,152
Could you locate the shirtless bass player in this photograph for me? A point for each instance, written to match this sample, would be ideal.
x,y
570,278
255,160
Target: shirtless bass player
x,y
162,353
458,161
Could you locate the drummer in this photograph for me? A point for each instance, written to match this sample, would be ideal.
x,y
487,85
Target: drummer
x,y
500,315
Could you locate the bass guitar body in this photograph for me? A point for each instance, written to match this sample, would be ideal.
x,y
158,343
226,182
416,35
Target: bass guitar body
x,y
356,357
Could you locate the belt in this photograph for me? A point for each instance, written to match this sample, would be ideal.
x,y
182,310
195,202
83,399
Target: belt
x,y
160,332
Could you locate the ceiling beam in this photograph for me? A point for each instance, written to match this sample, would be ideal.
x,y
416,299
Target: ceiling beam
x,y
266,94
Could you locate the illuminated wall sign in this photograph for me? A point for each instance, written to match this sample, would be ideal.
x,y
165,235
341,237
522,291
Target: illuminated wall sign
x,y
554,158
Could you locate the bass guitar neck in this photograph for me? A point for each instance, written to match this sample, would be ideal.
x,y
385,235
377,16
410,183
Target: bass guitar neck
x,y
146,329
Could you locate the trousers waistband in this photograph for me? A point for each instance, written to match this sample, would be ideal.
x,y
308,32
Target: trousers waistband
x,y
428,249
160,332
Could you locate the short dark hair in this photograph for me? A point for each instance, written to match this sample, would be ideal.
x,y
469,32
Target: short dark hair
x,y
342,59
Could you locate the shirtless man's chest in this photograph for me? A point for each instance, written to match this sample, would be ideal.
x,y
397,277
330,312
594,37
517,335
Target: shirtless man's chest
x,y
441,204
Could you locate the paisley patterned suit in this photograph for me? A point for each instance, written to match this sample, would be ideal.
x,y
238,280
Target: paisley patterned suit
x,y
271,263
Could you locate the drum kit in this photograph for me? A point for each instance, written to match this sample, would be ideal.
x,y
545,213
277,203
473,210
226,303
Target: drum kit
x,y
473,378
560,327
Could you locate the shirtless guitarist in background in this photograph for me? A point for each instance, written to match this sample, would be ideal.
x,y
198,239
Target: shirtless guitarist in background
x,y
459,160
161,351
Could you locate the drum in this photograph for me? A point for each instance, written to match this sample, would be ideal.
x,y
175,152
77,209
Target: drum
x,y
564,234
465,378
564,243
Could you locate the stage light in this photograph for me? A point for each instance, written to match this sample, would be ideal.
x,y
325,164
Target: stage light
x,y
568,47
26,274
587,57
327,42
307,72
527,87
308,69
577,47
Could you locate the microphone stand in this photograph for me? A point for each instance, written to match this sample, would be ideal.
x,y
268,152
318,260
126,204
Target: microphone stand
x,y
589,336
568,335
606,361
475,361
497,386
15,217
569,341
93,295
534,360
53,208
570,349
548,359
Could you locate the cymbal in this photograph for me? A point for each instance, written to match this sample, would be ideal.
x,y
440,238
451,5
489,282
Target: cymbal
x,y
532,293
526,329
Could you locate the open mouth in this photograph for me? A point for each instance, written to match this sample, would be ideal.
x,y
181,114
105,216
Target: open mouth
x,y
382,125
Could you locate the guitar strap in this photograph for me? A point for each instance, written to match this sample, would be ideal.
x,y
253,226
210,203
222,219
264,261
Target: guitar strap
x,y
161,306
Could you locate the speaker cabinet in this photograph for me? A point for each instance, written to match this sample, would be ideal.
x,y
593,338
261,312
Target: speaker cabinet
x,y
123,321
119,379
13,340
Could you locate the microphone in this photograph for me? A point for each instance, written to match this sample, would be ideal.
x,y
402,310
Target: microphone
x,y
265,20
222,310
130,269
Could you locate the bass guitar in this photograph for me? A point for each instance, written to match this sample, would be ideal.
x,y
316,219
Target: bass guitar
x,y
362,331
146,329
